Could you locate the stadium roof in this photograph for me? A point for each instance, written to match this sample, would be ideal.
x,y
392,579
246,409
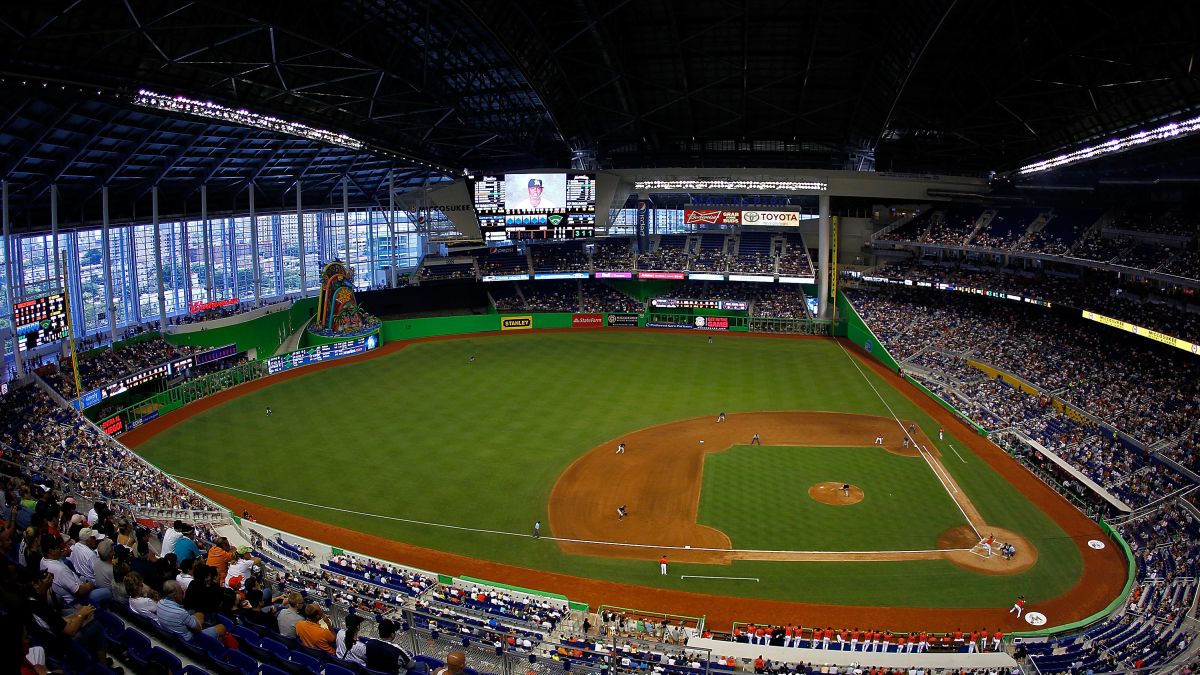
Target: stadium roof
x,y
930,85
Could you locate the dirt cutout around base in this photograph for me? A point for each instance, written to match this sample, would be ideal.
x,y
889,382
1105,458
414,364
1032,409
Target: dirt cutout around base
x,y
659,476
977,559
834,495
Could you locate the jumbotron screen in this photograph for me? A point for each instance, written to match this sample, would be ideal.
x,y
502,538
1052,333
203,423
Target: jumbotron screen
x,y
40,321
543,205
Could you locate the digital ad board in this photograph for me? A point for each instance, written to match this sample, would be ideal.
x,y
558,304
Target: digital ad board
x,y
535,193
309,355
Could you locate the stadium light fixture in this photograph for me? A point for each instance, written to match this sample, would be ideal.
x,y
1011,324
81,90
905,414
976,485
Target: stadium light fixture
x,y
1166,132
693,184
216,111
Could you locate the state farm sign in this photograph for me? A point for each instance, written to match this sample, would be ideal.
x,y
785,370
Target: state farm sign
x,y
712,216
786,218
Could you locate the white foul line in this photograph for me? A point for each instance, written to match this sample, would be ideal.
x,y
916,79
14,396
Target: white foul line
x,y
956,452
696,576
949,489
530,536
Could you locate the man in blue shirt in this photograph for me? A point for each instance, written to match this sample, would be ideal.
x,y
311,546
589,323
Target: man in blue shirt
x,y
185,545
173,618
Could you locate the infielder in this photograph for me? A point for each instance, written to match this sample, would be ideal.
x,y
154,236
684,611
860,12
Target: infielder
x,y
756,440
662,565
1018,606
621,513
721,417
879,439
620,448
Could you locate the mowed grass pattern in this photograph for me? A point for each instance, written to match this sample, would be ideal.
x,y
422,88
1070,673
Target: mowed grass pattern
x,y
759,497
423,435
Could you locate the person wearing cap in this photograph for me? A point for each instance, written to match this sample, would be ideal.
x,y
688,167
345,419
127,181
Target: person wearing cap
x,y
67,585
242,565
83,554
387,657
185,545
455,662
535,199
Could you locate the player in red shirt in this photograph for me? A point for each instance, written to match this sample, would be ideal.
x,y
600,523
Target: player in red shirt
x,y
854,637
816,638
1018,606
922,643
997,637
788,633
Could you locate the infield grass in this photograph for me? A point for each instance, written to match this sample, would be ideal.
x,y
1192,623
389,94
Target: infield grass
x,y
759,497
421,434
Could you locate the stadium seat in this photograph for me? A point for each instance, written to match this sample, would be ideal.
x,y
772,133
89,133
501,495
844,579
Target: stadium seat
x,y
166,659
276,648
194,670
244,635
306,660
265,669
334,669
242,662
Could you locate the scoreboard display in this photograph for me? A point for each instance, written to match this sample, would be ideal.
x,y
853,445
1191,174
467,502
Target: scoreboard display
x,y
309,355
40,321
515,207
489,195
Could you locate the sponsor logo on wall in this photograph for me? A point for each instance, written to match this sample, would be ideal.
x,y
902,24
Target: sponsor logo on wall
x,y
712,323
712,216
587,320
788,218
621,320
516,322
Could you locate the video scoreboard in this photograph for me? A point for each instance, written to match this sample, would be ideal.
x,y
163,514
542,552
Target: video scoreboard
x,y
520,206
40,321
336,350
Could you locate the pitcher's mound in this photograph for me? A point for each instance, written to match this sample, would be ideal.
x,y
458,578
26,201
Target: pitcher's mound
x,y
963,537
832,493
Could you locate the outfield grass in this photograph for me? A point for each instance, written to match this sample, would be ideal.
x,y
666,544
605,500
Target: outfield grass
x,y
758,496
423,435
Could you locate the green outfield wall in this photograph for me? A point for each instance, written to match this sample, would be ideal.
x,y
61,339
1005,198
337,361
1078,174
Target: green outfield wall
x,y
852,327
263,334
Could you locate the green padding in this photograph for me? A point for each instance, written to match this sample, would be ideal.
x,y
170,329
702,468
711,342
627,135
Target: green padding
x,y
264,333
1131,576
445,579
528,591
407,329
858,333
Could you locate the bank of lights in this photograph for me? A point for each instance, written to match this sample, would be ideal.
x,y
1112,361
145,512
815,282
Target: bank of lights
x,y
1164,133
694,184
216,111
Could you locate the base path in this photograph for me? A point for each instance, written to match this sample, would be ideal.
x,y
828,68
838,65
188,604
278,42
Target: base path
x,y
659,476
1103,572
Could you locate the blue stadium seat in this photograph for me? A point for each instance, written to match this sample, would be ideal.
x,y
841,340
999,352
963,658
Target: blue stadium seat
x,y
194,670
306,660
276,648
334,669
270,670
246,664
167,660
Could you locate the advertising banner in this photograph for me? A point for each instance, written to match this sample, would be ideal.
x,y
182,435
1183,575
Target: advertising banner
x,y
712,216
194,307
614,275
545,276
516,322
705,276
621,319
712,323
587,320
661,324
771,218
1143,331
113,425
751,277
661,275
506,277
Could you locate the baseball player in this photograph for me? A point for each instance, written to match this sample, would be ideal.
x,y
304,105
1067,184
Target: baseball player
x,y
991,541
756,440
825,638
973,642
841,638
845,489
268,411
472,359
878,439
877,639
922,643
941,434
1018,606
662,565
537,529
997,637
854,636
621,513
721,417
789,632
620,448
906,442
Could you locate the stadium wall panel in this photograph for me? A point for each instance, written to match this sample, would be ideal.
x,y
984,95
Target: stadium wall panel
x,y
263,334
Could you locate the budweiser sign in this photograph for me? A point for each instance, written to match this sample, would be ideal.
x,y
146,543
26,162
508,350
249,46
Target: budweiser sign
x,y
712,217
788,218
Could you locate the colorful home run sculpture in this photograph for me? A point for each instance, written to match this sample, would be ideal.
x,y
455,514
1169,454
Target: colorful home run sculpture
x,y
338,313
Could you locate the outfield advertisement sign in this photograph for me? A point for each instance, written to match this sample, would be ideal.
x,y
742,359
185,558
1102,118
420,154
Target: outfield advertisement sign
x,y
506,277
663,324
797,280
771,218
516,322
712,216
661,275
587,320
705,276
614,275
562,275
712,323
751,278
1142,331
310,355
621,319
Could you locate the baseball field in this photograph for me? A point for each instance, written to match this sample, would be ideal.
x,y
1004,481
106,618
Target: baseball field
x,y
419,454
